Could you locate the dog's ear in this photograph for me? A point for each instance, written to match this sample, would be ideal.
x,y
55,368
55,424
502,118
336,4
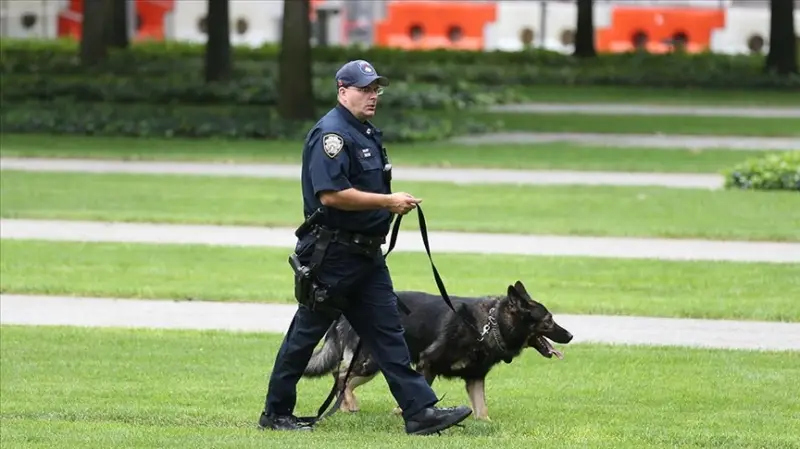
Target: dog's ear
x,y
512,292
521,289
514,297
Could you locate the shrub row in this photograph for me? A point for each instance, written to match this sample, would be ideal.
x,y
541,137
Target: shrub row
x,y
779,171
378,55
249,91
138,120
431,66
451,75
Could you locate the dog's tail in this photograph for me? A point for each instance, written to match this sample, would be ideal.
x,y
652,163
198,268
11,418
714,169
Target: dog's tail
x,y
326,358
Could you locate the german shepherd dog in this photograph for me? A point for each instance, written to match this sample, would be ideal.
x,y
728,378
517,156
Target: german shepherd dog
x,y
441,344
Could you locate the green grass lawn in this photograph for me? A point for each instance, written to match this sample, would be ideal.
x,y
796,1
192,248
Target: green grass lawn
x,y
580,285
668,96
574,210
641,124
82,388
550,156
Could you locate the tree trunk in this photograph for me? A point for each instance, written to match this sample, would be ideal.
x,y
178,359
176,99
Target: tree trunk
x,y
584,34
93,32
295,90
218,45
782,57
117,23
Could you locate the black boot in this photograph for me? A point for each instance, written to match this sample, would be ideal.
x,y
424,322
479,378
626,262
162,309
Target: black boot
x,y
435,419
281,422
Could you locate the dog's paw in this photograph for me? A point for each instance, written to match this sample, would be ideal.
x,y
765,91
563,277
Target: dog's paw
x,y
483,418
351,409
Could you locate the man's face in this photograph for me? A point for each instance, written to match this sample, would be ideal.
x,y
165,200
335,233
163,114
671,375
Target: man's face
x,y
362,101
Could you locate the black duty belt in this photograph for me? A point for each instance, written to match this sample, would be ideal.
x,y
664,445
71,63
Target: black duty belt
x,y
423,229
354,238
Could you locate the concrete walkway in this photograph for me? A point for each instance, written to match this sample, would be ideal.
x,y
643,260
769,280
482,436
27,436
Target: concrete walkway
x,y
166,314
289,171
655,141
651,109
410,241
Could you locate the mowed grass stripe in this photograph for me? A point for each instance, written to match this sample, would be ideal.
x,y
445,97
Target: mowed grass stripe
x,y
578,285
549,156
640,124
662,95
558,210
178,389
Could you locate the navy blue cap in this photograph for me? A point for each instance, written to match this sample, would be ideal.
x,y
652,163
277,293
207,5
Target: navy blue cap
x,y
359,73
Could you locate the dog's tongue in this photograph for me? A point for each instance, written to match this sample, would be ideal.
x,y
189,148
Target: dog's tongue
x,y
553,350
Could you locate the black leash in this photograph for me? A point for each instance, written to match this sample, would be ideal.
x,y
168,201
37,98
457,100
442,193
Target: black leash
x,y
423,229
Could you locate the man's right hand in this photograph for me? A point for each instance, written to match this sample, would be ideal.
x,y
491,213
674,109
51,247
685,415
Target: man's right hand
x,y
401,203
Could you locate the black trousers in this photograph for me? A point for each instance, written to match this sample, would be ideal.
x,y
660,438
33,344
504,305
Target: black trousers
x,y
372,311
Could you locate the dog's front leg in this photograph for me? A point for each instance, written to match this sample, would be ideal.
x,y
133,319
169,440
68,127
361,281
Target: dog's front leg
x,y
477,396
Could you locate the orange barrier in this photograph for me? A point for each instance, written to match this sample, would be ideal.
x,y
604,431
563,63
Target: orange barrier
x,y
435,24
655,29
69,20
150,19
151,14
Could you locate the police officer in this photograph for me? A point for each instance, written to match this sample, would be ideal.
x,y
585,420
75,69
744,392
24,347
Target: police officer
x,y
347,174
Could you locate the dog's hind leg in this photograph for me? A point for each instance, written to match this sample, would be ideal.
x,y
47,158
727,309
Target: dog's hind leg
x,y
350,402
364,370
477,396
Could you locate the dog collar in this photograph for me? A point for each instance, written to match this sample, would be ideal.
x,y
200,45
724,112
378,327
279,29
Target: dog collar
x,y
492,328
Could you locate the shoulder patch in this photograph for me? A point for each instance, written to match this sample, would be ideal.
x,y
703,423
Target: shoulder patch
x,y
332,144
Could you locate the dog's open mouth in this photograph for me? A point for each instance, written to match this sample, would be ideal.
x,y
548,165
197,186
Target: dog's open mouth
x,y
545,348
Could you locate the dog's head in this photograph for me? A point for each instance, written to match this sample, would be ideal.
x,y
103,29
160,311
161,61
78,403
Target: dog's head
x,y
543,327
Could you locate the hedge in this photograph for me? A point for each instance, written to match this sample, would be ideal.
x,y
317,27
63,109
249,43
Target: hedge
x,y
157,88
176,88
779,171
233,122
432,66
377,55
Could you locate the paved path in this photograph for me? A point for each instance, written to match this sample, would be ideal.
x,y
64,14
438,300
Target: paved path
x,y
651,109
459,176
166,314
655,141
410,241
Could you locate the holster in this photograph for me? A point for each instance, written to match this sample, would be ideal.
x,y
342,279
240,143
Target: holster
x,y
308,291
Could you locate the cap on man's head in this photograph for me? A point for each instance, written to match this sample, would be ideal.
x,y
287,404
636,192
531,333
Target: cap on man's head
x,y
359,73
